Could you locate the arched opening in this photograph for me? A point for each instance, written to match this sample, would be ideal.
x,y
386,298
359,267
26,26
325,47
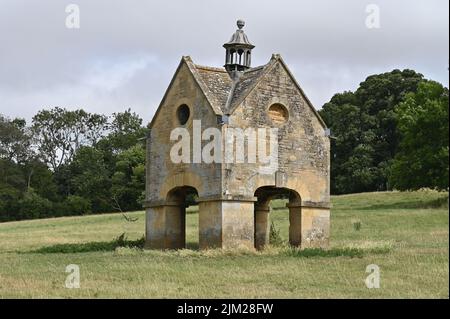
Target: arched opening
x,y
183,216
232,56
271,205
249,58
241,58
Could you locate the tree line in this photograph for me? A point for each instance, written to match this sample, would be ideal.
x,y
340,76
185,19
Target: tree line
x,y
71,163
391,133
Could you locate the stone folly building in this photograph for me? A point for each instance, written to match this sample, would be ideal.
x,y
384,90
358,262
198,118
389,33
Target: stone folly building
x,y
233,198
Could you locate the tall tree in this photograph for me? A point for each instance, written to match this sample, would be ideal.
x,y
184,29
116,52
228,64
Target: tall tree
x,y
364,126
128,180
15,140
90,178
61,133
125,131
423,159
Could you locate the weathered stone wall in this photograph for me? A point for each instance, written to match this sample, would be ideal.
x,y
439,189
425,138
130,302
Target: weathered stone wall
x,y
303,147
162,174
227,204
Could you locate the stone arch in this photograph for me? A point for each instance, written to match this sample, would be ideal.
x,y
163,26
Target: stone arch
x,y
183,179
177,200
264,195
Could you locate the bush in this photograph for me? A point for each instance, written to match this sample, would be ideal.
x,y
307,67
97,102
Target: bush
x,y
120,241
357,225
9,197
76,205
72,206
274,236
33,206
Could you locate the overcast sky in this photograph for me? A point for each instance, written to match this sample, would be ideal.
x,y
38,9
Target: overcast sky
x,y
125,52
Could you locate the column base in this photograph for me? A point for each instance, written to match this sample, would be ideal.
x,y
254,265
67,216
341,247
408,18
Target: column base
x,y
262,228
226,224
165,227
309,227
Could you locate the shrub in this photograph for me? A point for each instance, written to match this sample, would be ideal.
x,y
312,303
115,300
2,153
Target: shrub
x,y
33,206
274,236
76,205
357,225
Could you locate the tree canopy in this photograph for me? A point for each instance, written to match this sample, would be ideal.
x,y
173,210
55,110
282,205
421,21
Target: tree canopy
x,y
364,126
71,163
422,159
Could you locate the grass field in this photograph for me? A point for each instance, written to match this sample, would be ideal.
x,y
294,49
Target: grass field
x,y
405,234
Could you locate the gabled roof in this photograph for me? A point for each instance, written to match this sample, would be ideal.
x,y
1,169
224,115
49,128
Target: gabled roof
x,y
218,82
226,91
212,100
224,94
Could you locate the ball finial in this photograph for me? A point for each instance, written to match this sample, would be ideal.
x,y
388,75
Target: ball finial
x,y
240,23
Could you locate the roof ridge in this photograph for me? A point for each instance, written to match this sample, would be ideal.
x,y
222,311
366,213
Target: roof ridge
x,y
203,86
256,68
210,68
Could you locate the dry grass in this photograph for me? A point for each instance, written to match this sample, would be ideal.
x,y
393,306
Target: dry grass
x,y
405,234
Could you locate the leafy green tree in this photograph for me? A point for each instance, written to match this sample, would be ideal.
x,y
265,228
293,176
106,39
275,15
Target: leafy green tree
x,y
423,158
128,180
61,133
39,177
126,130
8,197
365,137
11,174
76,163
33,206
90,178
75,205
15,140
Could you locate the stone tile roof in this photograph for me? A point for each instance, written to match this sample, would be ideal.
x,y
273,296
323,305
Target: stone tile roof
x,y
245,84
220,85
223,94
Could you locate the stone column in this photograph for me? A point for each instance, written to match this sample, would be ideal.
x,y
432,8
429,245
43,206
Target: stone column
x,y
155,233
238,228
295,225
166,226
315,227
226,223
309,225
262,228
210,224
175,226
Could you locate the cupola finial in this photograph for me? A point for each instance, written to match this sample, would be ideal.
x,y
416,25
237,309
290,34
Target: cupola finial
x,y
240,23
238,50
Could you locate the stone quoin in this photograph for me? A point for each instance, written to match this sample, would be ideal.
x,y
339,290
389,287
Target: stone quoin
x,y
234,197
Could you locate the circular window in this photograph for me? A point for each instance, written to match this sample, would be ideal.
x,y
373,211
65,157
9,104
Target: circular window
x,y
278,114
183,114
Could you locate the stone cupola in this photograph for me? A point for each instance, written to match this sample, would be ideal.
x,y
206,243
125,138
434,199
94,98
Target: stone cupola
x,y
238,50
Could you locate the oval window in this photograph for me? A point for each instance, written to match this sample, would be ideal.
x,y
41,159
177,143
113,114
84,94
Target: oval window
x,y
183,114
278,113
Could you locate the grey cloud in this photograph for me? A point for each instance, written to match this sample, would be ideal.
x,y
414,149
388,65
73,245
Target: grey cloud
x,y
125,53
